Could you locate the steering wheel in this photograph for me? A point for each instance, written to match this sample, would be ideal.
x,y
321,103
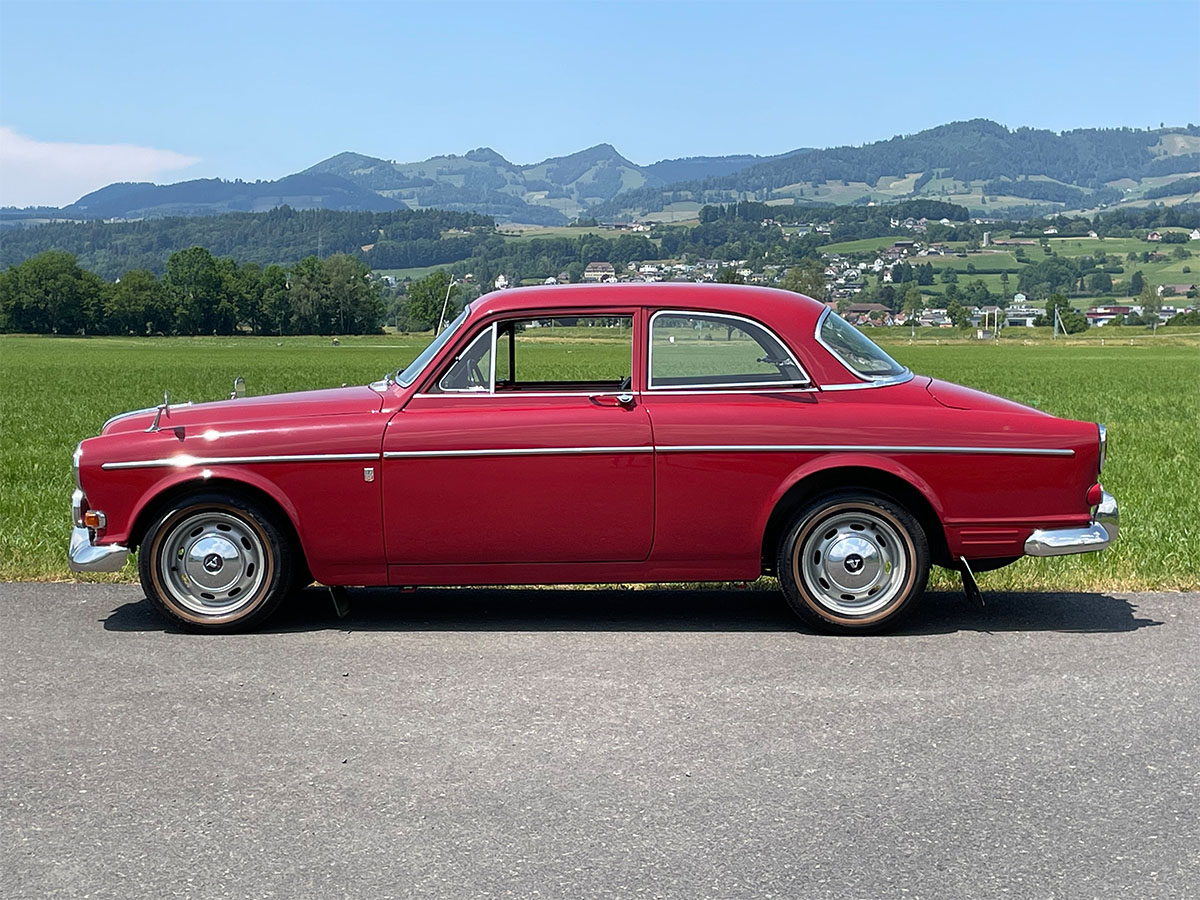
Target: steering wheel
x,y
476,375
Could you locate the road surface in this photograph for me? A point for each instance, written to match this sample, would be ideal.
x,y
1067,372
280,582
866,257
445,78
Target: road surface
x,y
572,744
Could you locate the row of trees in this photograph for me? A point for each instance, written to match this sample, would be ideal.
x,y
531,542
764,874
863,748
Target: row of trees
x,y
199,294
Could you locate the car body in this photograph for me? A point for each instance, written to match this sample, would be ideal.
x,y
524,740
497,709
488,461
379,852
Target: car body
x,y
693,433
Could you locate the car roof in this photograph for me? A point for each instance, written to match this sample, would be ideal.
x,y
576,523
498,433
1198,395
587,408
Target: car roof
x,y
775,307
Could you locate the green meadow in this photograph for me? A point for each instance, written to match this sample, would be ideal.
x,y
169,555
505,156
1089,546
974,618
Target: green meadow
x,y
1146,389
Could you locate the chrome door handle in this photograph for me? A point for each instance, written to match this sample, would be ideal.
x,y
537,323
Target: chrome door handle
x,y
624,399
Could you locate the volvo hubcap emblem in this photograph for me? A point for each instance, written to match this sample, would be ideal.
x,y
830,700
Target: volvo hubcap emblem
x,y
213,562
854,563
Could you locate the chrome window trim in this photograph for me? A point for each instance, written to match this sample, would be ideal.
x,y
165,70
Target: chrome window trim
x,y
515,451
510,395
491,329
866,381
450,331
184,461
861,448
707,388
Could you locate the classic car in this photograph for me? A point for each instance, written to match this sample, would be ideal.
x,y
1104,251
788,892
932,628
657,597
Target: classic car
x,y
596,434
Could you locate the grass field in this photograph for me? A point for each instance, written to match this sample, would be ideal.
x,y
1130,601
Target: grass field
x,y
60,390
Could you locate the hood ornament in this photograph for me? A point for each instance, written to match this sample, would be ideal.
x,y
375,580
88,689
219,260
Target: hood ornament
x,y
163,408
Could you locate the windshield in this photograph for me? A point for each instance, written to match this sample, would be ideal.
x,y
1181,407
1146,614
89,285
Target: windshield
x,y
857,352
409,374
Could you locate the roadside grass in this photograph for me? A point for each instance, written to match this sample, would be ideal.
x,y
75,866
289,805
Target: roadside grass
x,y
60,390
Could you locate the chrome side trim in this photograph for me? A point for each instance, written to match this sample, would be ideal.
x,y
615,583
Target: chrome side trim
x,y
84,556
516,451
1103,445
184,461
1099,533
863,385
863,448
865,381
806,379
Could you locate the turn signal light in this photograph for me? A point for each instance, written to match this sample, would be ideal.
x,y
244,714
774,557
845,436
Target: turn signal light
x,y
1094,495
93,518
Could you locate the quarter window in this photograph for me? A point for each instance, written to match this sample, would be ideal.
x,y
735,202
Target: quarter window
x,y
693,350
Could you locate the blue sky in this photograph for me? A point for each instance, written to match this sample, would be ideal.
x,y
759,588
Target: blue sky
x,y
97,92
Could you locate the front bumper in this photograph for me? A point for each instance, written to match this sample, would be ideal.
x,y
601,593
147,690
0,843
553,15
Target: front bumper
x,y
1099,533
88,557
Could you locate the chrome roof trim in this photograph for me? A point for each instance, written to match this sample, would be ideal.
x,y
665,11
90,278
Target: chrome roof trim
x,y
184,461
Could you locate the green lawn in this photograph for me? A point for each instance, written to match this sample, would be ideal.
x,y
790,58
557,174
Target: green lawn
x,y
60,390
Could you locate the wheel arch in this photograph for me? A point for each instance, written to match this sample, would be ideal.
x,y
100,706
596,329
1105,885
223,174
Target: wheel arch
x,y
169,493
895,482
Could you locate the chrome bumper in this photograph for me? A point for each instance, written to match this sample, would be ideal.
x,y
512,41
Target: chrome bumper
x,y
88,557
1099,533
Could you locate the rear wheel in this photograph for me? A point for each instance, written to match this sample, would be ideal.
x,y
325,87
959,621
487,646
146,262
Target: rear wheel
x,y
216,562
853,562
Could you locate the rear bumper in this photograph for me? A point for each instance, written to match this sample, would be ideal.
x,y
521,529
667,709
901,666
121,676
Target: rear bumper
x,y
1098,534
88,557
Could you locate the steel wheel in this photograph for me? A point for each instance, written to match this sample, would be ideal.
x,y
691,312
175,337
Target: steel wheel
x,y
852,562
213,563
216,562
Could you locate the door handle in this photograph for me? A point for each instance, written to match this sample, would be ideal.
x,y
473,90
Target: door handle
x,y
624,399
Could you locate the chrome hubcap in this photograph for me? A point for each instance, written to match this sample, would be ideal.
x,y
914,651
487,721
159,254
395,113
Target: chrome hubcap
x,y
853,562
213,563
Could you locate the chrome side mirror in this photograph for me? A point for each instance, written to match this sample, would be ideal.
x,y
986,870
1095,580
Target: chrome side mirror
x,y
239,387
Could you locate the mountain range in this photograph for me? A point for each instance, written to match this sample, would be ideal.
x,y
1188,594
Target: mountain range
x,y
980,164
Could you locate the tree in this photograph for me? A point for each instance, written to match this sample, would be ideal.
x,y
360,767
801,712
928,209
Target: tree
x,y
1136,283
808,278
355,303
1151,304
138,304
957,314
729,275
50,294
1073,321
193,283
426,297
1099,282
914,303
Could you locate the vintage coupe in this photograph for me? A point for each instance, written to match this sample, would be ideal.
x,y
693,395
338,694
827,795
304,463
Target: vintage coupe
x,y
611,434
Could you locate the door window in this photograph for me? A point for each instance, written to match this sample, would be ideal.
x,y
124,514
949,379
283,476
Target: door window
x,y
567,354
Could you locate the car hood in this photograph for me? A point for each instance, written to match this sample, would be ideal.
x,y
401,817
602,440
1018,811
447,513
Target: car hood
x,y
955,396
333,401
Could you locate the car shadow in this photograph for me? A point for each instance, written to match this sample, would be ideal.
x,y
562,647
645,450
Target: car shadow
x,y
680,610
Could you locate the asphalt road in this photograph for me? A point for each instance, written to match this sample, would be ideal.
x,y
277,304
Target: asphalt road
x,y
565,744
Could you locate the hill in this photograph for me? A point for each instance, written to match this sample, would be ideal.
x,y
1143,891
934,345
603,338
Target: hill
x,y
979,164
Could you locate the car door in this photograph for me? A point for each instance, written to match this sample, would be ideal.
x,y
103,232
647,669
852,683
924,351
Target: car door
x,y
531,446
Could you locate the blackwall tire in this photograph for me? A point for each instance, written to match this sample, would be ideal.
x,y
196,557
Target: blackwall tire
x,y
216,562
853,562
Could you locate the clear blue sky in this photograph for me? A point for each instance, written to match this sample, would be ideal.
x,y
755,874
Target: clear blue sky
x,y
261,89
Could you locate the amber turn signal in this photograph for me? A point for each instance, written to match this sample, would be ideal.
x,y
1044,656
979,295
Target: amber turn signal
x,y
93,518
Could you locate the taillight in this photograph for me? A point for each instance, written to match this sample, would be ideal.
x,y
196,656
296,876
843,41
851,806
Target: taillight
x,y
1095,494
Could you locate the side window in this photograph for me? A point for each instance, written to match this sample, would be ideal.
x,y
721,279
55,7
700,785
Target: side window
x,y
713,350
555,353
565,353
471,370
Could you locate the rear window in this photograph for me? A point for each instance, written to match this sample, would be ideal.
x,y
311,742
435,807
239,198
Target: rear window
x,y
858,353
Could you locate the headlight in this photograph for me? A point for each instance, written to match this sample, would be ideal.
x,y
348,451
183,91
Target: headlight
x,y
1103,445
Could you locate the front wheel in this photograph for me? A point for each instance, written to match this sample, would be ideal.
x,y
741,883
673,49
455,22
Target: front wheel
x,y
216,562
853,562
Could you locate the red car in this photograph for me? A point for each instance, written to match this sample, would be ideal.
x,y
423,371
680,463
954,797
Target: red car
x,y
636,433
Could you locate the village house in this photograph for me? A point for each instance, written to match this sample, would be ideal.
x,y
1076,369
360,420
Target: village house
x,y
1154,236
1099,316
599,271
